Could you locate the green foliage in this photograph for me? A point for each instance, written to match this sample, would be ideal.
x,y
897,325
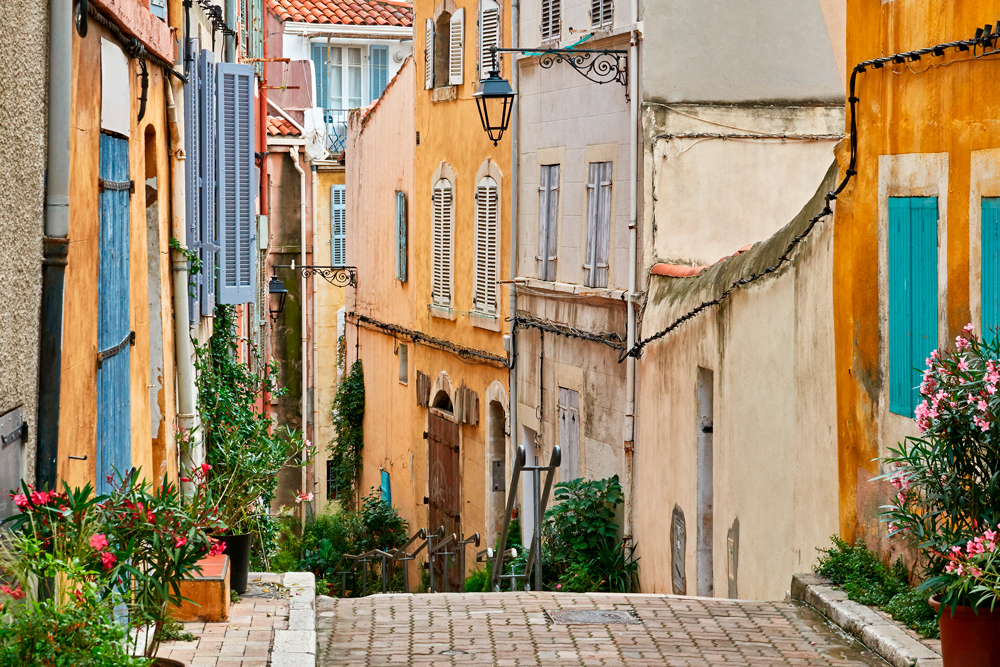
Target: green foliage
x,y
173,630
348,417
581,545
478,580
195,265
868,581
242,446
234,597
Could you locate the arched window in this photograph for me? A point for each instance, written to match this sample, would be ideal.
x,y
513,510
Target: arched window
x,y
442,254
484,298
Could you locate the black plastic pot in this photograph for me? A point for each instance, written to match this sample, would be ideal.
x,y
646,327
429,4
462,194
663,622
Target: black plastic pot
x,y
238,550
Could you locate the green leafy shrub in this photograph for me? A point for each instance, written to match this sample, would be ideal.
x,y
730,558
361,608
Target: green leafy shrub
x,y
867,580
348,417
478,580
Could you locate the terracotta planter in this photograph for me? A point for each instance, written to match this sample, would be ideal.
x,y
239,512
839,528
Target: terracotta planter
x,y
968,638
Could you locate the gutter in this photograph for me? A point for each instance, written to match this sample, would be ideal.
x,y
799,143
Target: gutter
x,y
308,30
56,241
315,338
515,17
294,152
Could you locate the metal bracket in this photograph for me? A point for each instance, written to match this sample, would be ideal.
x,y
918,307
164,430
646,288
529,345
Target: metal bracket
x,y
104,184
103,355
338,276
18,433
598,65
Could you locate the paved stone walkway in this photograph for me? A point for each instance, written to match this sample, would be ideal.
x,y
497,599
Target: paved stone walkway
x,y
512,629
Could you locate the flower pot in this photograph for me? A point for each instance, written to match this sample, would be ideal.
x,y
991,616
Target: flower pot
x,y
968,638
238,550
167,662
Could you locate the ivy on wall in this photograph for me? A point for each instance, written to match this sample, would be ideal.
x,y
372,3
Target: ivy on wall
x,y
348,416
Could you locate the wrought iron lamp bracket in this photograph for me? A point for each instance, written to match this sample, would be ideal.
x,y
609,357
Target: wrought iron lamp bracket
x,y
598,65
338,276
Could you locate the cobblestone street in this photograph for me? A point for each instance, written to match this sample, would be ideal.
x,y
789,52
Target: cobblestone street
x,y
513,629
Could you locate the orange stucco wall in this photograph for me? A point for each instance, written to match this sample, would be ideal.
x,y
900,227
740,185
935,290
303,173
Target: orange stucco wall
x,y
915,108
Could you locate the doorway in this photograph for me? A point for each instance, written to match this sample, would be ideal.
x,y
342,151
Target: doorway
x,y
444,501
706,492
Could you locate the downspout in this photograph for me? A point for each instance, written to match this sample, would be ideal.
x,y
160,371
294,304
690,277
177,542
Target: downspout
x,y
633,251
294,152
515,13
230,54
315,338
55,242
183,349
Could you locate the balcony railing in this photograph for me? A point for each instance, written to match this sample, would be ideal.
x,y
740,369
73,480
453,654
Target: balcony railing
x,y
336,130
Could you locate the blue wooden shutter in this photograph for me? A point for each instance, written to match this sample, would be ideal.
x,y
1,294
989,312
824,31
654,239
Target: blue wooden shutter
x,y
386,488
913,316
378,69
159,9
319,56
338,225
192,173
209,248
991,265
235,173
114,445
401,236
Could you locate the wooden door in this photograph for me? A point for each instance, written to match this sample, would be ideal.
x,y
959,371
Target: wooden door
x,y
445,498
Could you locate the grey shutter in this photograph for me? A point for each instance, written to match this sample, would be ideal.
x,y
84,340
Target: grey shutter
x,y
209,249
602,13
489,35
401,236
428,54
569,434
593,184
338,225
235,92
192,176
159,9
603,239
551,25
548,217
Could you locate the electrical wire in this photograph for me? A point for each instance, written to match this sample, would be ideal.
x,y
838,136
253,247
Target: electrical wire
x,y
983,39
461,351
132,45
523,320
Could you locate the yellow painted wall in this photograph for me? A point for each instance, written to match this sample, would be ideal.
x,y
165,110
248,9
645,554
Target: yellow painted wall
x,y
918,108
153,452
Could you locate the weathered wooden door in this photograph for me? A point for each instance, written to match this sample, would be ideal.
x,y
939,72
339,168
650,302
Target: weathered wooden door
x,y
114,336
445,500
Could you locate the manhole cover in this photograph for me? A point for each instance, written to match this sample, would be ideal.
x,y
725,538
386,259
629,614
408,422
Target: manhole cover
x,y
593,616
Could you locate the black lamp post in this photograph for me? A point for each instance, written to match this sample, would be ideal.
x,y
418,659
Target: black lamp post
x,y
495,99
278,294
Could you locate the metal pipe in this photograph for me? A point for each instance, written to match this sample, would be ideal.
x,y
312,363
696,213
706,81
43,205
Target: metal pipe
x,y
315,339
55,250
511,497
536,538
231,24
515,17
633,254
294,152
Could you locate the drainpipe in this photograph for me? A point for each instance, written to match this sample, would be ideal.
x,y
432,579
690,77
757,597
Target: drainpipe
x,y
315,338
55,242
294,152
230,54
515,13
183,349
633,252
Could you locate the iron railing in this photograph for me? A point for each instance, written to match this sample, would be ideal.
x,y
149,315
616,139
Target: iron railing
x,y
336,129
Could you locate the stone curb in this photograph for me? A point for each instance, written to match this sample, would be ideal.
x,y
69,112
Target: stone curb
x,y
880,634
296,646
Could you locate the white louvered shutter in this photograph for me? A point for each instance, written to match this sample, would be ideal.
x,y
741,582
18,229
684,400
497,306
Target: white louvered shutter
x,y
551,25
338,225
192,180
489,35
456,47
237,187
602,13
209,248
548,216
441,271
401,233
428,54
487,235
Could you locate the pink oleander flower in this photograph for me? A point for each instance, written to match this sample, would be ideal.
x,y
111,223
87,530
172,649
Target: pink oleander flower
x,y
185,479
961,343
983,405
205,468
990,536
20,500
982,424
99,542
892,527
303,497
968,329
181,541
108,560
935,355
217,548
16,593
974,547
963,365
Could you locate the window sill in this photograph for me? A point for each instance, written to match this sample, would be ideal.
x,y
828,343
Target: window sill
x,y
441,311
485,321
444,93
569,288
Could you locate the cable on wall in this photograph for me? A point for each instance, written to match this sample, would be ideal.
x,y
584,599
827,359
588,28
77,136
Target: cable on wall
x,y
523,320
132,45
461,351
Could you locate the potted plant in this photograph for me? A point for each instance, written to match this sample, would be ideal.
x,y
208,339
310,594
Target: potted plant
x,y
947,500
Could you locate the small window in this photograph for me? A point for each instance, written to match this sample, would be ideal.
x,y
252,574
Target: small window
x,y
404,364
602,13
551,25
595,267
548,216
386,488
442,50
331,493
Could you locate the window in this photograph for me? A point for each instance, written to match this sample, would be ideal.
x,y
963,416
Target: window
x,y
913,316
569,434
991,265
404,363
331,493
484,299
548,216
489,35
551,26
236,183
456,48
386,488
442,51
602,13
338,76
338,225
595,267
442,259
401,234
378,70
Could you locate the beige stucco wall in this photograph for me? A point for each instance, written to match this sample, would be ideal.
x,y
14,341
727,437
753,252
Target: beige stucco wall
x,y
23,109
770,347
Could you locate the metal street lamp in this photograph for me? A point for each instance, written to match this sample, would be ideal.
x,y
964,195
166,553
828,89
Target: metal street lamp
x,y
495,99
278,294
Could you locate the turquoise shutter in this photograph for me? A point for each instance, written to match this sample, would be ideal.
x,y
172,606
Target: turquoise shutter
x,y
192,177
400,236
991,265
386,488
378,69
338,225
209,248
236,191
913,316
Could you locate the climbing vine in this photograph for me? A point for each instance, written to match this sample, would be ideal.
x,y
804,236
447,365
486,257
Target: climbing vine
x,y
194,265
348,415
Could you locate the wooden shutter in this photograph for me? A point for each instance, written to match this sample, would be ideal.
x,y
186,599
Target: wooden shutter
x,y
401,233
338,225
158,9
569,434
489,35
593,186
235,92
913,317
603,238
456,47
192,180
602,13
319,57
990,266
551,25
428,54
441,270
548,216
487,233
209,248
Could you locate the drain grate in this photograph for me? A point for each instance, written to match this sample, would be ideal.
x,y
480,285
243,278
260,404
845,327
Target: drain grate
x,y
593,616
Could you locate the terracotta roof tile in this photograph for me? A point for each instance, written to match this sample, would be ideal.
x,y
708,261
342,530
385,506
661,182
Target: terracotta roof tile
x,y
344,12
280,127
682,271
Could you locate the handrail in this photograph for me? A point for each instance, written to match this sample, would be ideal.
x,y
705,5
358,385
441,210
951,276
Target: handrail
x,y
536,552
511,499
